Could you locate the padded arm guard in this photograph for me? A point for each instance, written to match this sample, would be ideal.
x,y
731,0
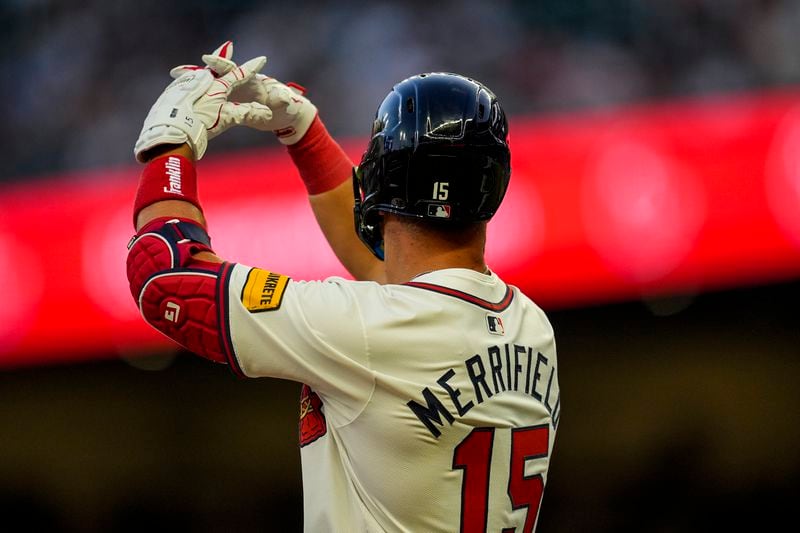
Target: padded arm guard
x,y
177,294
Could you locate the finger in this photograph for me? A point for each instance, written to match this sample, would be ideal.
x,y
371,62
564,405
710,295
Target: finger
x,y
225,50
220,61
218,65
180,70
244,72
253,66
251,114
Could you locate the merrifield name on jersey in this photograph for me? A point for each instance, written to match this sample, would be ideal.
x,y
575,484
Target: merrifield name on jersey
x,y
503,368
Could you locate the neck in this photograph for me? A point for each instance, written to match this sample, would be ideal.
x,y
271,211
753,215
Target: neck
x,y
411,250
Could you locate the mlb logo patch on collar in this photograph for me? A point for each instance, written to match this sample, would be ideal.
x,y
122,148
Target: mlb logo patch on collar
x,y
495,325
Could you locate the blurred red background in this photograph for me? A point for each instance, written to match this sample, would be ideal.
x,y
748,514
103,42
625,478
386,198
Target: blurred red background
x,y
603,206
653,213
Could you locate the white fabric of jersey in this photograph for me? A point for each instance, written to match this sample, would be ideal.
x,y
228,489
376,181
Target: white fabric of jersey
x,y
367,350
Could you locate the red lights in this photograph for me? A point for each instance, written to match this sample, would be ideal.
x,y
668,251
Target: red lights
x,y
641,210
783,175
602,206
21,287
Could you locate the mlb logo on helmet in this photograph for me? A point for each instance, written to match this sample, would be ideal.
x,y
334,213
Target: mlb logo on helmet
x,y
439,211
495,325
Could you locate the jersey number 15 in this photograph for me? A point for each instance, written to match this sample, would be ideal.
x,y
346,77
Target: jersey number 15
x,y
473,455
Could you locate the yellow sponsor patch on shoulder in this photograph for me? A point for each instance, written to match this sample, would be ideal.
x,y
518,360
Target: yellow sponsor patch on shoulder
x,y
263,290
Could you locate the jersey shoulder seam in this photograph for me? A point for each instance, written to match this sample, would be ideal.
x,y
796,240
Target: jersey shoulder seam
x,y
496,307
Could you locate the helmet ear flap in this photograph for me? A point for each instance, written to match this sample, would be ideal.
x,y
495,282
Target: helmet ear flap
x,y
364,211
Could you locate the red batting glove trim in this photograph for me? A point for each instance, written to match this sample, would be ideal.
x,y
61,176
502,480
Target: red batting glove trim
x,y
322,163
296,86
169,177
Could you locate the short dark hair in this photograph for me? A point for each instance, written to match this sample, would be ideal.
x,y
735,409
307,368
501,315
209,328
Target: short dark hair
x,y
456,232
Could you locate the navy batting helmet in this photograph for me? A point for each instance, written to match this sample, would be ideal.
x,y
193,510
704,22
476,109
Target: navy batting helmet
x,y
438,152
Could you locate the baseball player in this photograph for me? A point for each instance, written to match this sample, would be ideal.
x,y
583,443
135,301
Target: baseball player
x,y
430,398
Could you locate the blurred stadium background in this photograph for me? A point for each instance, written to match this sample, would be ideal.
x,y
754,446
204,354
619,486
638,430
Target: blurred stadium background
x,y
679,350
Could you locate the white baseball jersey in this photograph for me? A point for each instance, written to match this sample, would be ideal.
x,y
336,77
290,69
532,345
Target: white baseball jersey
x,y
428,406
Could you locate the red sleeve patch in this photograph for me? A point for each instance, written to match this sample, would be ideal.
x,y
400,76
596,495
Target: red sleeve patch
x,y
312,418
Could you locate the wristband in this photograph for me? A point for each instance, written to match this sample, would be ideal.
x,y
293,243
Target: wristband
x,y
322,163
169,177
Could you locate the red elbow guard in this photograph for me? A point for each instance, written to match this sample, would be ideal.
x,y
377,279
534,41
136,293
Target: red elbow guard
x,y
177,294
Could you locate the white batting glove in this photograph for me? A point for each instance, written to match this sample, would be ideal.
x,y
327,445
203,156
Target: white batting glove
x,y
195,108
292,113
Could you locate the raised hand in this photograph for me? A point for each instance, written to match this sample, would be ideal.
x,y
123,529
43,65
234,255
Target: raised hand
x,y
195,108
292,113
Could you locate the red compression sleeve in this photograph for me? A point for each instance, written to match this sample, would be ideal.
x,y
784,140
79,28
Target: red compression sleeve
x,y
170,177
322,163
